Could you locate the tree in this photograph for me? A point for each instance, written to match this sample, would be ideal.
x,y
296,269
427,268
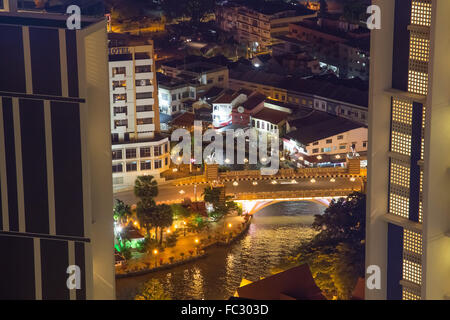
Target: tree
x,y
336,254
165,218
146,189
147,216
152,290
354,10
180,211
195,9
122,211
212,195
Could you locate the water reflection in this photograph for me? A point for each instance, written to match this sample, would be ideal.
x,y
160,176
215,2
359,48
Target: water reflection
x,y
275,233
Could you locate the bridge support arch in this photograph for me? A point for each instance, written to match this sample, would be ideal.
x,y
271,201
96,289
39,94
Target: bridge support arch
x,y
253,206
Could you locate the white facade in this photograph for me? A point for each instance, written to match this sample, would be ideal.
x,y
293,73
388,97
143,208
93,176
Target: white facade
x,y
222,111
135,115
349,141
141,158
171,100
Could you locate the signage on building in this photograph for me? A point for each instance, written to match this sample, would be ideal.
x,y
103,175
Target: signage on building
x,y
119,50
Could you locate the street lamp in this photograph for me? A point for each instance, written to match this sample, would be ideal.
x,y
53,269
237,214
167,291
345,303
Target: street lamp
x,y
332,180
235,183
255,183
313,180
155,253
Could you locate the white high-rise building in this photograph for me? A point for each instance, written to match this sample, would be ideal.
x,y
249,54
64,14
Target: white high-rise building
x,y
138,148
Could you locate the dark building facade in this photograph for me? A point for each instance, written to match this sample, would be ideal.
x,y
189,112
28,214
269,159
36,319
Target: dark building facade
x,y
55,159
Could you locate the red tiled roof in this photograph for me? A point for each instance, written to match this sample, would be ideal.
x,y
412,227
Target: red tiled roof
x,y
184,120
294,284
271,115
253,101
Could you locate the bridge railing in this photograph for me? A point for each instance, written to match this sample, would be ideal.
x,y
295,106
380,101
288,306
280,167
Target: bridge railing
x,y
285,173
325,193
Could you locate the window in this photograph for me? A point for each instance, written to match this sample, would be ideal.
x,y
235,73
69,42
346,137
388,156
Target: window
x,y
145,152
165,97
120,97
114,137
340,137
118,70
117,154
143,82
166,161
166,147
343,146
130,153
174,97
146,165
119,84
329,141
132,166
315,150
158,164
142,69
119,110
326,149
118,167
157,151
120,123
209,81
143,121
221,78
144,95
144,108
315,143
365,144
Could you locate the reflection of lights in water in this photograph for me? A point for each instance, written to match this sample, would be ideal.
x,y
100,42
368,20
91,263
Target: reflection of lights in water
x,y
276,231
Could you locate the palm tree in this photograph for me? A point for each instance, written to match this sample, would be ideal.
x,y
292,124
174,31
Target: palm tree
x,y
122,211
146,188
146,216
165,218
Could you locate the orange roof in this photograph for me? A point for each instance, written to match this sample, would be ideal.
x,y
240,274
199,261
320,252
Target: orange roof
x,y
294,284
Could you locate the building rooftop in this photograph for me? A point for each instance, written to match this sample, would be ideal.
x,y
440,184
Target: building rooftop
x,y
294,284
185,119
43,19
167,82
319,125
271,115
271,7
348,91
254,100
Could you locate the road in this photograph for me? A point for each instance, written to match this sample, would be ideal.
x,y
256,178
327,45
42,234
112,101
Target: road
x,y
169,192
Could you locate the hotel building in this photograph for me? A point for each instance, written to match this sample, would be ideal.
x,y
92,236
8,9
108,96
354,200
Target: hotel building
x,y
55,179
408,205
137,145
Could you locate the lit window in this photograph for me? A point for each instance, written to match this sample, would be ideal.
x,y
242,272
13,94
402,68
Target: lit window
x,y
410,294
399,205
401,143
400,174
412,271
412,241
421,12
418,82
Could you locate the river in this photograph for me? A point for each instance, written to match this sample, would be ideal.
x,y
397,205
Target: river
x,y
275,233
